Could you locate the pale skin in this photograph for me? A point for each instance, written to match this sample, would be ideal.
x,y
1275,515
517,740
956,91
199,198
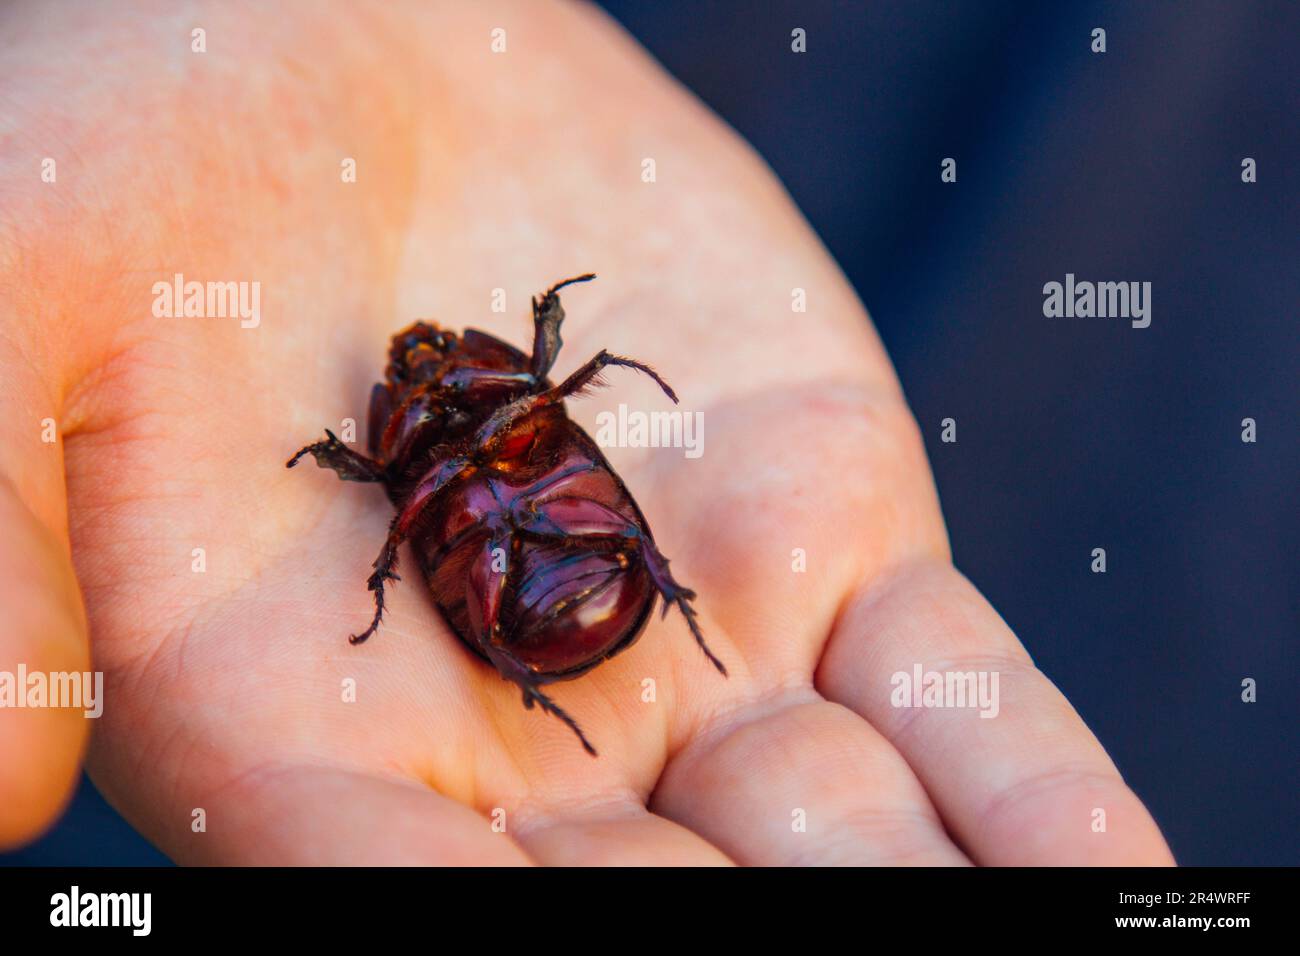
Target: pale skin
x,y
475,171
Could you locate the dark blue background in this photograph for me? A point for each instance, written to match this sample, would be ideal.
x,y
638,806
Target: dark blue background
x,y
1072,433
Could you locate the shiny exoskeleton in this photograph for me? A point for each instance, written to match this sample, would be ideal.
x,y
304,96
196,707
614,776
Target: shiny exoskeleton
x,y
534,551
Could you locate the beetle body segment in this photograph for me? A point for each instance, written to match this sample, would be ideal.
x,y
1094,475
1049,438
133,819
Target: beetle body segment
x,y
537,562
534,551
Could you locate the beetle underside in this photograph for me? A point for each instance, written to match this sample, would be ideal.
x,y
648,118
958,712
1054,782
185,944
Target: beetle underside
x,y
536,554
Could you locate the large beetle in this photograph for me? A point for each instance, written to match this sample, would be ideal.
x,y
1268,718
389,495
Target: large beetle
x,y
536,554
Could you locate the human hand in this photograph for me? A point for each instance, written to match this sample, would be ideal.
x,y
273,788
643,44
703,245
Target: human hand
x,y
475,171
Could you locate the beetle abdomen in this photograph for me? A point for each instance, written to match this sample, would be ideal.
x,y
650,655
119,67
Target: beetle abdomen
x,y
573,607
560,607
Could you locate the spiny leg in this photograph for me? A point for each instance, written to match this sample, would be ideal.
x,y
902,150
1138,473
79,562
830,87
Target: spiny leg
x,y
419,499
513,669
383,572
350,466
347,464
556,480
548,314
674,593
488,583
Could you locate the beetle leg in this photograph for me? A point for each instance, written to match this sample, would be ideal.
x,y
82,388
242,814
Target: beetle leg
x,y
674,593
383,573
465,385
585,378
381,410
488,585
513,669
554,481
480,446
548,314
332,453
398,531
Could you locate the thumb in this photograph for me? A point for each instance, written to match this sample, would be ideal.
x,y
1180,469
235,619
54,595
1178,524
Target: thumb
x,y
43,628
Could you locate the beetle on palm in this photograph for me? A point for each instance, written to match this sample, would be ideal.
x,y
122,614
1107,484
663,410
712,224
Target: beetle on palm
x,y
534,551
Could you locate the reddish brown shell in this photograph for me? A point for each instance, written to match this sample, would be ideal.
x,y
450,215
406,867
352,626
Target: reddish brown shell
x,y
533,549
561,606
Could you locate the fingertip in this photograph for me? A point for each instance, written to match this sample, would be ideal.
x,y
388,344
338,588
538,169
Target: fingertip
x,y
43,651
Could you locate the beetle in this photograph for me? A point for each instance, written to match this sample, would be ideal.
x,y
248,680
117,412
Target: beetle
x,y
534,551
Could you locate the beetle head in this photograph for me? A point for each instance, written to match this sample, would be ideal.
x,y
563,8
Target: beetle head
x,y
417,353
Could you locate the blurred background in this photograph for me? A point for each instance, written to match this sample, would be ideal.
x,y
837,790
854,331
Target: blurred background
x,y
1072,434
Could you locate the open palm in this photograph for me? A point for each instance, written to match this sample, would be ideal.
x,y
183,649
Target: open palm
x,y
219,589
